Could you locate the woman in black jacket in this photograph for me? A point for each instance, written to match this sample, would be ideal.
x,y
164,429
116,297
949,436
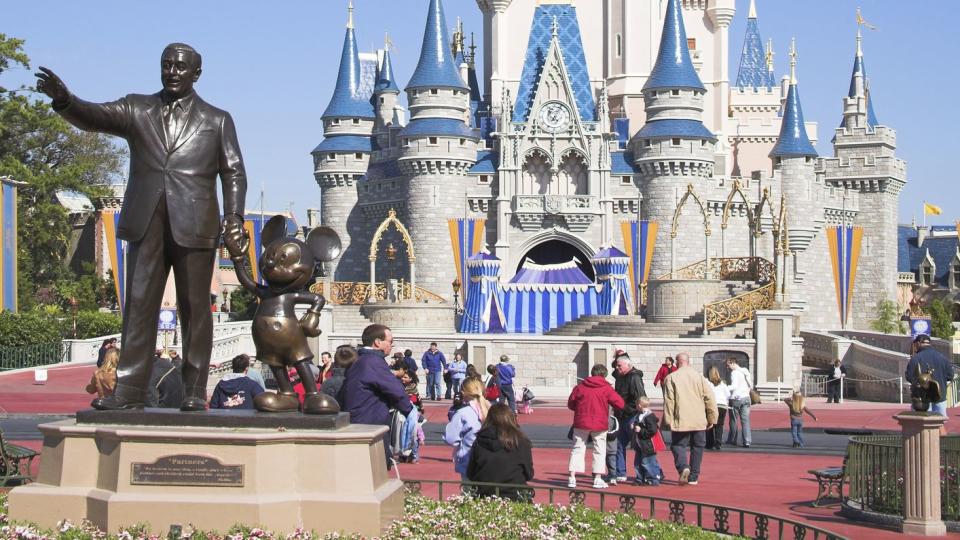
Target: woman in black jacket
x,y
501,454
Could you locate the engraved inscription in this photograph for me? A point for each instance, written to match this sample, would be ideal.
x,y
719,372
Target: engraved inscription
x,y
186,470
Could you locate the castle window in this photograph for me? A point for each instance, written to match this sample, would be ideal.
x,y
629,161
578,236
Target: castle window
x,y
379,187
927,270
675,141
434,91
382,100
626,180
463,142
956,276
358,155
356,121
692,44
405,142
703,143
483,179
619,45
331,157
647,143
433,141
335,121
675,92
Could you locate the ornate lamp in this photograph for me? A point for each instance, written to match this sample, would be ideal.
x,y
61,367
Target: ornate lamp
x,y
456,295
73,309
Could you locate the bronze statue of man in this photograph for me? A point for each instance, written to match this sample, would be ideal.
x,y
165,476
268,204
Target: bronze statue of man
x,y
179,144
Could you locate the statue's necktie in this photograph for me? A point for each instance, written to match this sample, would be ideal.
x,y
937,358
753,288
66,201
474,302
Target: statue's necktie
x,y
171,120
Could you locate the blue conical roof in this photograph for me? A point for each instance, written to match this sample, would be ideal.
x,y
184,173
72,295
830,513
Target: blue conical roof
x,y
673,69
753,72
348,99
859,67
793,141
385,80
436,67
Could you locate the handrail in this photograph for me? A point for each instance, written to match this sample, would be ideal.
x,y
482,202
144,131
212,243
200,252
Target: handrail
x,y
358,293
727,520
740,307
728,268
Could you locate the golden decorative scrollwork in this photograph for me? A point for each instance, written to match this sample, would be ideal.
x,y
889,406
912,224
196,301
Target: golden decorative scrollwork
x,y
728,269
739,308
358,293
384,225
727,206
703,211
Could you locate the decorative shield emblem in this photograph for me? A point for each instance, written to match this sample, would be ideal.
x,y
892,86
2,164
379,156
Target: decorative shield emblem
x,y
553,204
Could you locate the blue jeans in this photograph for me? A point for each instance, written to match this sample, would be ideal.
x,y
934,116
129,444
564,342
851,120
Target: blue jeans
x,y
433,384
796,430
455,385
939,407
648,469
623,442
408,437
739,414
506,393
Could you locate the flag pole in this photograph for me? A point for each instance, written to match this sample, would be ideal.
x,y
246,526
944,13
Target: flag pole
x,y
924,214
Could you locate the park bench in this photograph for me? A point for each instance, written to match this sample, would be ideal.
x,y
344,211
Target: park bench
x,y
830,481
15,462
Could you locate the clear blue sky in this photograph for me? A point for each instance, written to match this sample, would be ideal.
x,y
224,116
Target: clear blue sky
x,y
273,66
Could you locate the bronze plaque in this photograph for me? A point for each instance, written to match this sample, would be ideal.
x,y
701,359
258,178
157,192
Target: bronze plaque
x,y
186,470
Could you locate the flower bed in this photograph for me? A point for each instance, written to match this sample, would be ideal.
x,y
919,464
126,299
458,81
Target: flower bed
x,y
457,517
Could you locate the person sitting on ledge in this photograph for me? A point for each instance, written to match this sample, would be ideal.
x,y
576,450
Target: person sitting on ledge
x,y
236,390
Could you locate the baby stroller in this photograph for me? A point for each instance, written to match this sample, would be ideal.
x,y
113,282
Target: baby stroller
x,y
526,400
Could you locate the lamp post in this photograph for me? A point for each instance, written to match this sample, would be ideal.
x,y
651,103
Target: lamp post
x,y
391,257
456,296
73,309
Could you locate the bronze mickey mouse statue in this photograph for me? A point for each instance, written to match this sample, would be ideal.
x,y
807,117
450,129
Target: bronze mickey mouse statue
x,y
286,266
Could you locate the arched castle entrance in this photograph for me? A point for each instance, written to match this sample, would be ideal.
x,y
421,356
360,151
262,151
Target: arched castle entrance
x,y
553,247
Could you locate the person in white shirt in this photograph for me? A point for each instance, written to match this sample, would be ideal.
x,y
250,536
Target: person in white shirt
x,y
740,385
837,372
722,394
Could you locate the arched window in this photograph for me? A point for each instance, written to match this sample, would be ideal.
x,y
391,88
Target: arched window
x,y
619,45
536,175
572,177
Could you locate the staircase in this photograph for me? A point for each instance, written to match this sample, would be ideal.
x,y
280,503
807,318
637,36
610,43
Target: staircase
x,y
348,318
636,326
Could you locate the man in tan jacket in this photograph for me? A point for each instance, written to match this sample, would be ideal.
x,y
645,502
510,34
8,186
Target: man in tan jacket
x,y
689,409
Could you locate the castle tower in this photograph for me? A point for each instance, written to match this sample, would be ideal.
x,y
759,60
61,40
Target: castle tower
x,y
865,162
438,147
794,160
385,97
342,158
754,104
673,149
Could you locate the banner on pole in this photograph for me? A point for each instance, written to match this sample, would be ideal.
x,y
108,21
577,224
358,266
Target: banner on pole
x,y
639,238
844,243
467,239
116,250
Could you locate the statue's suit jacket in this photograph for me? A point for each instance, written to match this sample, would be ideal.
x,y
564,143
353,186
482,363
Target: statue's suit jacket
x,y
185,170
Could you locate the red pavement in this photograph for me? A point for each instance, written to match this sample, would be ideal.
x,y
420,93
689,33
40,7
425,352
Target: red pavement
x,y
769,483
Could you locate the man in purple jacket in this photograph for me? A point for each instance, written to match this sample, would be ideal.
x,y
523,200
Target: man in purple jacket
x,y
370,389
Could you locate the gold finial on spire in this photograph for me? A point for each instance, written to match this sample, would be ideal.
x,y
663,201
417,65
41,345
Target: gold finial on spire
x,y
769,54
350,14
793,60
753,10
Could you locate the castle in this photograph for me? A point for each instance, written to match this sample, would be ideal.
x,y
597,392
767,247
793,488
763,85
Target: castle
x,y
595,124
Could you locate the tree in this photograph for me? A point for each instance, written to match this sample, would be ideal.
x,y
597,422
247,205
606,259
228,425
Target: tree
x,y
941,318
888,318
39,148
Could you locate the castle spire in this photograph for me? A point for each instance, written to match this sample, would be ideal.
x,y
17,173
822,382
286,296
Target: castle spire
x,y
859,84
436,67
755,63
674,68
768,55
753,10
793,140
347,100
385,79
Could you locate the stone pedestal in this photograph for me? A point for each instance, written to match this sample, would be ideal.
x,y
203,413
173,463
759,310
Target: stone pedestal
x,y
281,477
675,300
921,473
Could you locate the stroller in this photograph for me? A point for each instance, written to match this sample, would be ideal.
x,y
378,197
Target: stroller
x,y
526,401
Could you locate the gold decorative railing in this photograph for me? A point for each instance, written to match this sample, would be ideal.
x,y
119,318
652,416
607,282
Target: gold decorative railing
x,y
358,293
739,308
727,269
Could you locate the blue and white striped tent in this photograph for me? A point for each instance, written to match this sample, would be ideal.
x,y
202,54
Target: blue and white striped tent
x,y
483,312
538,308
612,268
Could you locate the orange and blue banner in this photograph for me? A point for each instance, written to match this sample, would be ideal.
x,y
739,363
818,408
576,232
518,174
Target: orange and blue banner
x,y
116,251
639,239
8,245
844,243
467,238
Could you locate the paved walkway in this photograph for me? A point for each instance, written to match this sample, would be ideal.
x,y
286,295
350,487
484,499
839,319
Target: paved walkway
x,y
775,484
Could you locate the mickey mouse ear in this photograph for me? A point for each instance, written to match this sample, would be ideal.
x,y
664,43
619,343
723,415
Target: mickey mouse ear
x,y
325,243
275,229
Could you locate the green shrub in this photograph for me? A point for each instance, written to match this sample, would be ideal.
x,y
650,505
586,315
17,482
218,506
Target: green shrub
x,y
941,318
91,324
29,328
